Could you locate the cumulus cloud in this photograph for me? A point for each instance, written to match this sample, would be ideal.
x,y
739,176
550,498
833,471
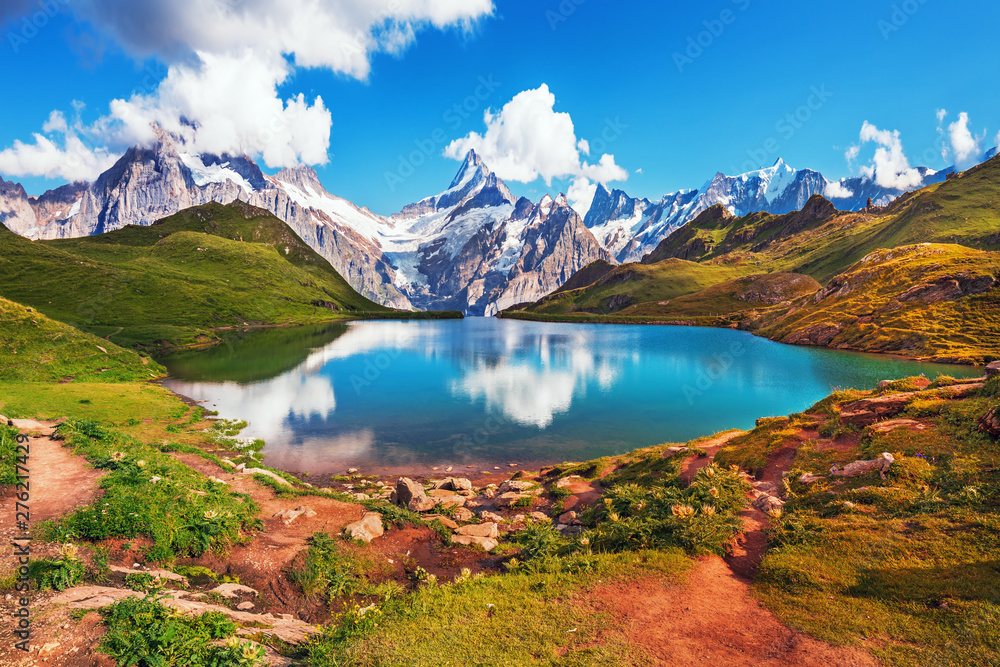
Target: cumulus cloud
x,y
225,62
890,168
63,150
964,145
581,195
528,139
837,190
941,113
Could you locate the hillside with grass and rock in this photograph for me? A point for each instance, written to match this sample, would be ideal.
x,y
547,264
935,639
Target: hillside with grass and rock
x,y
181,281
919,277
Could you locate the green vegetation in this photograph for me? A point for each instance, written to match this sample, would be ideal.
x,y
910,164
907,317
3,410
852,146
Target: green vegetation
x,y
148,493
331,574
519,618
34,348
906,565
180,281
143,632
60,573
8,455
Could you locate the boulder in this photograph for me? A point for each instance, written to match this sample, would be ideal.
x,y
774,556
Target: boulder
x,y
510,499
990,422
516,485
566,481
289,516
462,514
267,473
993,369
867,411
451,500
488,529
421,504
245,606
808,478
491,516
568,518
367,528
880,465
233,590
768,503
540,517
487,543
490,492
457,484
407,490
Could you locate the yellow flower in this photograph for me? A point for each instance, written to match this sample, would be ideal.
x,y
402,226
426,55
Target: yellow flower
x,y
682,511
710,471
68,551
117,456
714,492
211,514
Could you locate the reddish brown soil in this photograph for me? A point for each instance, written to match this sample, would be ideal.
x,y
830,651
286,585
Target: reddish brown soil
x,y
710,620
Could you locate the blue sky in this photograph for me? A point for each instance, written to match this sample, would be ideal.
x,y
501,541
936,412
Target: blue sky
x,y
612,66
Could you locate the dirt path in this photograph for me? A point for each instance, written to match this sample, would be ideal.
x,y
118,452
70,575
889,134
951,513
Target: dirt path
x,y
711,620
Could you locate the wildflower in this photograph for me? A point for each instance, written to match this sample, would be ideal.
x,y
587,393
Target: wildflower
x,y
141,463
68,551
774,513
211,514
584,541
613,516
714,492
466,573
117,456
682,511
708,510
710,471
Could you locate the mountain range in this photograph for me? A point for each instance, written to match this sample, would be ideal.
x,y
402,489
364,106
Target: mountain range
x,y
474,247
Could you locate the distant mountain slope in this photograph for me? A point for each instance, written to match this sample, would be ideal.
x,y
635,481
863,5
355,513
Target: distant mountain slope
x,y
958,284
34,348
175,282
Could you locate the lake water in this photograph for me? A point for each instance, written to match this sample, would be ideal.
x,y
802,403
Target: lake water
x,y
482,392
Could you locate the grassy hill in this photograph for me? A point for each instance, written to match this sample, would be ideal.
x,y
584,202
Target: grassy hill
x,y
34,348
179,281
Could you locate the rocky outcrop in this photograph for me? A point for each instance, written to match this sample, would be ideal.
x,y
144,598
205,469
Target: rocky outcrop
x,y
881,465
990,422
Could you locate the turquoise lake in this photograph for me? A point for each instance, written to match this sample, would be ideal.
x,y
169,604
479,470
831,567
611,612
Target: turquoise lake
x,y
482,392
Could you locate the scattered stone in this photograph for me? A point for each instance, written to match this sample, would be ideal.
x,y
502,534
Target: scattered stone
x,y
245,606
808,478
510,499
849,505
487,543
411,495
367,528
569,518
445,521
993,369
512,465
673,451
540,517
858,468
892,424
456,484
159,574
352,471
489,493
766,487
46,649
229,463
884,384
491,516
233,590
449,468
462,514
488,529
867,411
517,518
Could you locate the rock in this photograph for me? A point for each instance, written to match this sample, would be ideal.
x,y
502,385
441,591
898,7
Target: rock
x,y
540,517
568,518
516,485
566,481
491,516
159,574
407,490
808,478
673,451
451,500
487,543
990,422
510,499
867,411
445,521
352,471
884,384
440,493
245,606
421,504
766,487
858,468
768,503
47,649
289,516
993,370
367,528
488,529
892,424
267,473
457,484
462,514
233,590
517,518
489,493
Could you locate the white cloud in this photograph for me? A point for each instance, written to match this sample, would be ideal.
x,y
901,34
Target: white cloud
x,y
639,170
528,139
941,113
581,195
851,154
225,61
964,145
889,167
837,190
